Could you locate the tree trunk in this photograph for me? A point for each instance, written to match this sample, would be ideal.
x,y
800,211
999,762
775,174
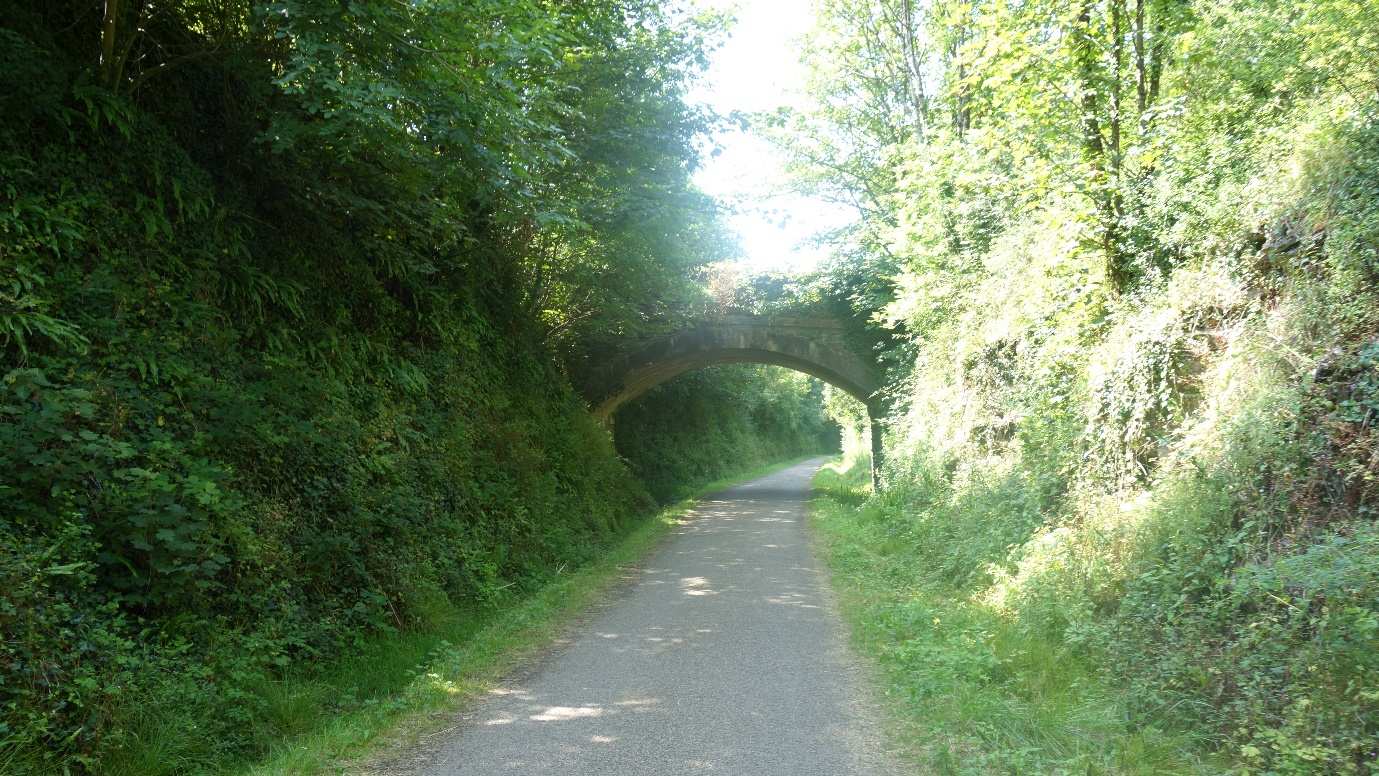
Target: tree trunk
x,y
877,447
1092,141
1116,260
1104,188
1117,60
915,65
1156,55
110,28
962,110
1141,75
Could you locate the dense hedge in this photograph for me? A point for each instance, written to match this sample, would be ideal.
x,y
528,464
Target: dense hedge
x,y
186,508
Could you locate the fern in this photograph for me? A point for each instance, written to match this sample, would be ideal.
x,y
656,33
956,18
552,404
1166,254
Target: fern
x,y
22,317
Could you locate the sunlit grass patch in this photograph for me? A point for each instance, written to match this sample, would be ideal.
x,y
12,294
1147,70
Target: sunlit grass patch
x,y
972,689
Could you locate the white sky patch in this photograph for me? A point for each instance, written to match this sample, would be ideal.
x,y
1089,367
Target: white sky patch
x,y
758,69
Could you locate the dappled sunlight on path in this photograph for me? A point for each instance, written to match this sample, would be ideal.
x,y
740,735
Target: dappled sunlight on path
x,y
722,655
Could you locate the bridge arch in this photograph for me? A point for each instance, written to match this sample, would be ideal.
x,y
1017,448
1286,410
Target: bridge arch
x,y
814,345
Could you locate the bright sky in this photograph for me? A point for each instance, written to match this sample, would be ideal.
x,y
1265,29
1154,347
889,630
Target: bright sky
x,y
758,69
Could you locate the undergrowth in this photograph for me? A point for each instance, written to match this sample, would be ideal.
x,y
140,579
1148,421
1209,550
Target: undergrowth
x,y
971,690
1128,515
288,320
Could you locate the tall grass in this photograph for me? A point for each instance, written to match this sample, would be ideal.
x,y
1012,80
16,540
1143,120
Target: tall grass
x,y
973,690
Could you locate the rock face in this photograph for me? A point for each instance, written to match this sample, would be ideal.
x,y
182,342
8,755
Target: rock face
x,y
815,346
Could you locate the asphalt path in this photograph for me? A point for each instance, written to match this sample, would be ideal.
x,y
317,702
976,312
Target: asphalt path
x,y
723,655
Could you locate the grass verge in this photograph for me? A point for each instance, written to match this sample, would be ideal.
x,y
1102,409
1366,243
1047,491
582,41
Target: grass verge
x,y
402,686
969,691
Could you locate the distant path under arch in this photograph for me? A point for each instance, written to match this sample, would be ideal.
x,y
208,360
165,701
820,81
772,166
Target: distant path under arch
x,y
816,346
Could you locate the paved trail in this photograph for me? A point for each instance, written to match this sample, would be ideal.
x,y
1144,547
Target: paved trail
x,y
724,656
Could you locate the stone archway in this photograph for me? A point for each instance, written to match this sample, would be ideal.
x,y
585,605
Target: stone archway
x,y
815,346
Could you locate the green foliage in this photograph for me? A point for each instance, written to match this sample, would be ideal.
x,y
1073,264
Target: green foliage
x,y
709,424
282,358
975,692
1130,254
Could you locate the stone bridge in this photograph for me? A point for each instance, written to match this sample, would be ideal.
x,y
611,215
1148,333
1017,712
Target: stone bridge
x,y
815,346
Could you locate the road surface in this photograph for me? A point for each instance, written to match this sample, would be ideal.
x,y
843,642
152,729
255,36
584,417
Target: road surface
x,y
723,656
